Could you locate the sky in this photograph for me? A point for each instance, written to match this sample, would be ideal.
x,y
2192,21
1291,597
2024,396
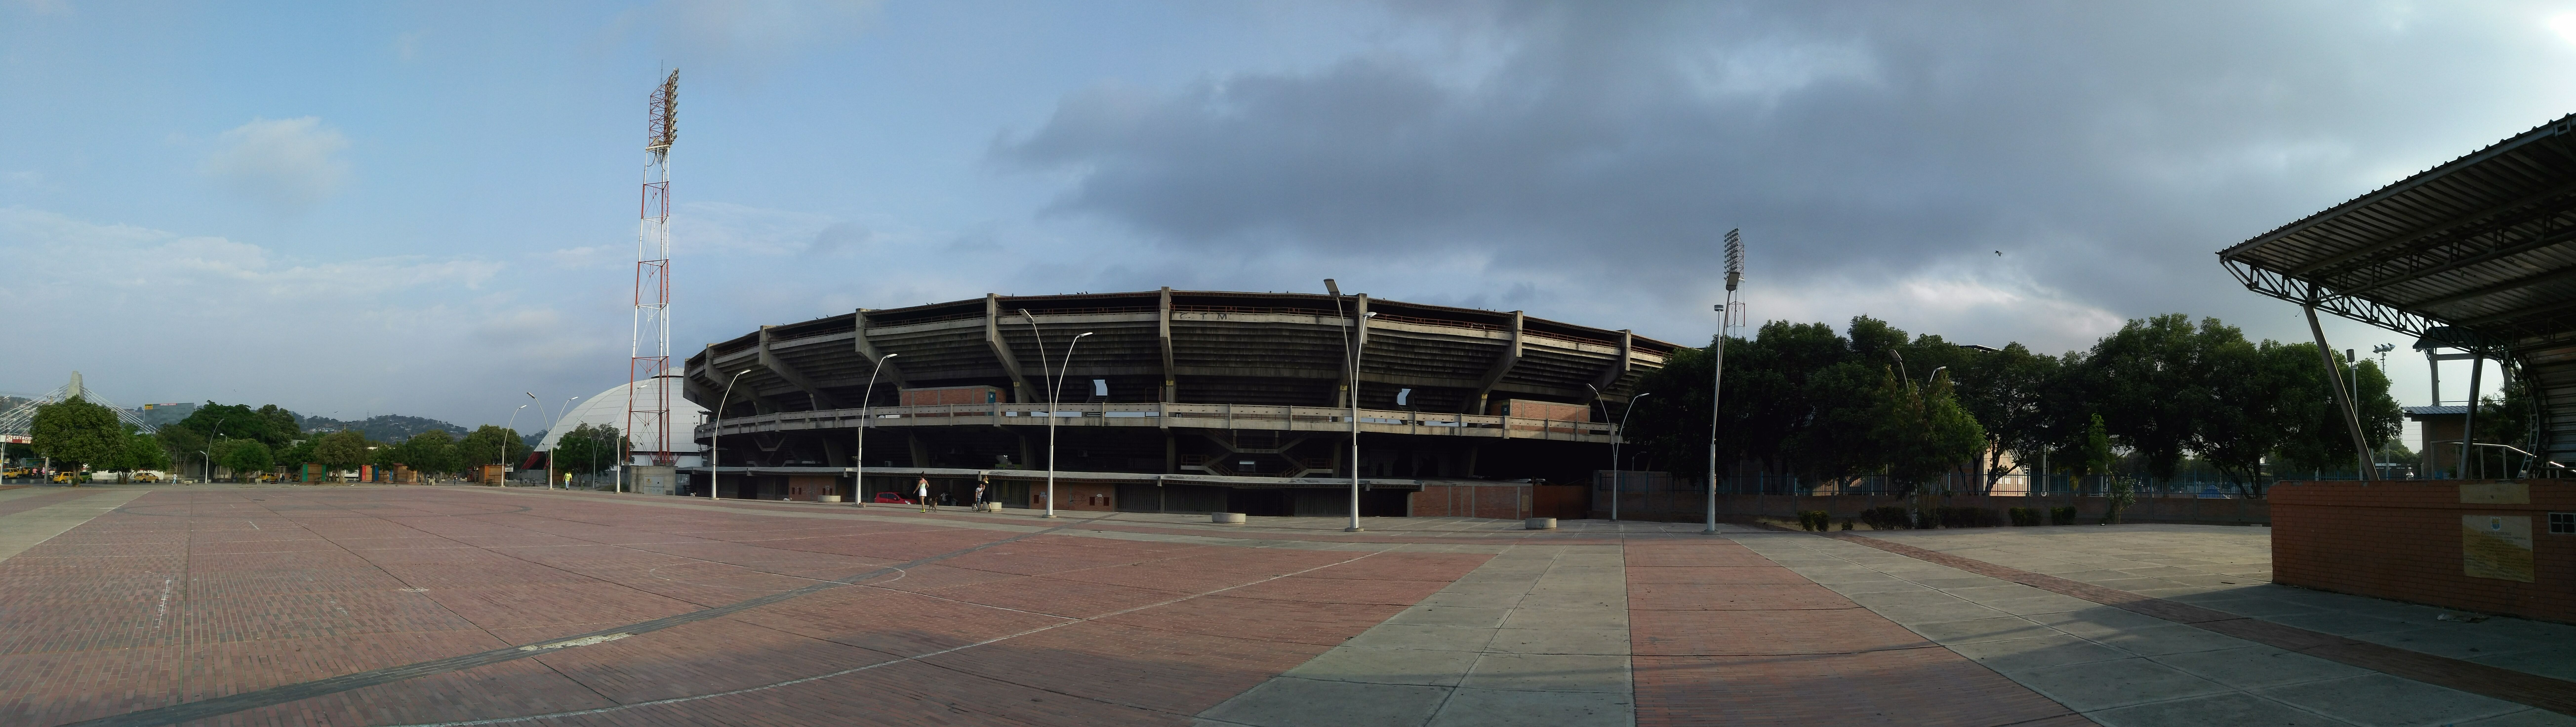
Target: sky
x,y
429,208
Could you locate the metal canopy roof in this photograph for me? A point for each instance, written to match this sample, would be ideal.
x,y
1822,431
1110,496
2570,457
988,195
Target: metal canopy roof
x,y
2484,245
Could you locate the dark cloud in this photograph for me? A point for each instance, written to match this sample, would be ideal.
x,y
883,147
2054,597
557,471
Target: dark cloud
x,y
2106,149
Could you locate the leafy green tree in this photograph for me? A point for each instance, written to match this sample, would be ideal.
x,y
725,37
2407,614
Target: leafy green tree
x,y
430,451
592,448
341,451
247,458
2153,376
487,444
2315,437
299,452
186,446
1921,432
75,432
2008,392
143,452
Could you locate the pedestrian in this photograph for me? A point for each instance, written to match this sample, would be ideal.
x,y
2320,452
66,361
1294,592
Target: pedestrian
x,y
979,495
922,490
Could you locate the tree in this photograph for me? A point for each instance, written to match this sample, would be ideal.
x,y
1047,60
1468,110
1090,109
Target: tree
x,y
2008,392
186,445
429,451
1921,431
486,445
75,432
245,457
592,448
2153,377
143,452
341,451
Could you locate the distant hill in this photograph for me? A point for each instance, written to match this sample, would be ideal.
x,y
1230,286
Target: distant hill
x,y
381,428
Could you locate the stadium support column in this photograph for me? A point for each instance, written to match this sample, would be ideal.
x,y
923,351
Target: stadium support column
x,y
2334,377
1163,325
1021,391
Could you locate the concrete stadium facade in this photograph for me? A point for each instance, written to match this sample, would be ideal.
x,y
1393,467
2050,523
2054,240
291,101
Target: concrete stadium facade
x,y
1215,400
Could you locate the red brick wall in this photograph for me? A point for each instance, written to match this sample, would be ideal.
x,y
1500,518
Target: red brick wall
x,y
2401,540
1071,496
1489,501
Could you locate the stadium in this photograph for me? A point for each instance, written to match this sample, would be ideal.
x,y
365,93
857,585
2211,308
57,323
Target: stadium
x,y
1169,401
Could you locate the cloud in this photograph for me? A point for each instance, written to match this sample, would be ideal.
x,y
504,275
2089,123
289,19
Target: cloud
x,y
1598,152
745,36
289,165
153,315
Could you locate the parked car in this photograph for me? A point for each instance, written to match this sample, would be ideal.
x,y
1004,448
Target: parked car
x,y
889,498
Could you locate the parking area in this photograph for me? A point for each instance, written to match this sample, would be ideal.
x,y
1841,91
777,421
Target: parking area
x,y
430,605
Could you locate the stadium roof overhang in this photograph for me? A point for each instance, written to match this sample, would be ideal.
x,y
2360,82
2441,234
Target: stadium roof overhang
x,y
2478,253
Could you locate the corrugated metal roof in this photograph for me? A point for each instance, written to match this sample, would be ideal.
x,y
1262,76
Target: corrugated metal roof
x,y
2485,243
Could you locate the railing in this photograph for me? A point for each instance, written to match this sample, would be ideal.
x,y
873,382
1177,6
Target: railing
x,y
1198,416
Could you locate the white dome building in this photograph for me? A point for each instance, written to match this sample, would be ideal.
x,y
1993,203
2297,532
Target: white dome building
x,y
608,408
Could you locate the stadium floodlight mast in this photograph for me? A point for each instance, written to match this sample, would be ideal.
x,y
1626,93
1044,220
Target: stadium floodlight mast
x,y
1717,380
715,457
859,473
1351,350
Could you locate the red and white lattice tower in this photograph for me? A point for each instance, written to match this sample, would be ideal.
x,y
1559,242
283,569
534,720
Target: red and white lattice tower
x,y
648,398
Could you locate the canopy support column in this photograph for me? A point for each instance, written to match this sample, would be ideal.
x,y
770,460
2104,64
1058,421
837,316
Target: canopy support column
x,y
2334,378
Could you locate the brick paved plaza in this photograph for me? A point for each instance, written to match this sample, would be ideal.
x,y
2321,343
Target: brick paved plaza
x,y
442,605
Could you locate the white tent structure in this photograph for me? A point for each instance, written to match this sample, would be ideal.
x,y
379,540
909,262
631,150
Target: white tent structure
x,y
608,408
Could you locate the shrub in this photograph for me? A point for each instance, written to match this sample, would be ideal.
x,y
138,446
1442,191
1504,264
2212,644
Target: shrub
x,y
2023,517
2061,515
1966,517
1814,520
1884,518
1847,523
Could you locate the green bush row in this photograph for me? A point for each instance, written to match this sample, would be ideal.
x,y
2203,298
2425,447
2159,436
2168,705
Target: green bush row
x,y
1893,518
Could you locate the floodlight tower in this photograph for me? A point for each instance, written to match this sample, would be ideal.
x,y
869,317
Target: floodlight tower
x,y
1727,314
648,413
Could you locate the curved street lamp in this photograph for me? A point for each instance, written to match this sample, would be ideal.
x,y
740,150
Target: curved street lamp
x,y
859,473
513,430
1617,477
1053,387
715,464
1352,392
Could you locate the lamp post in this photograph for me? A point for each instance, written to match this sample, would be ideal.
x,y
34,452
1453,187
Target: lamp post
x,y
859,473
715,457
211,434
1352,392
1052,387
1618,477
557,421
513,430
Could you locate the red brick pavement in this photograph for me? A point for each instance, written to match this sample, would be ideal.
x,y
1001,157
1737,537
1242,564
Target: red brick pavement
x,y
1757,652
276,587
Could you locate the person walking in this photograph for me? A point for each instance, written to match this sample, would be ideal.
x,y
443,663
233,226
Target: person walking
x,y
979,495
922,490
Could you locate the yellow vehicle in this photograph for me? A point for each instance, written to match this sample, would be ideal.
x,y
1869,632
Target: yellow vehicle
x,y
62,478
14,472
269,477
143,477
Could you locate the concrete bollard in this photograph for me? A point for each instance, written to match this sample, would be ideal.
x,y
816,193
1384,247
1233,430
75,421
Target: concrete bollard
x,y
989,506
831,498
1539,523
1226,518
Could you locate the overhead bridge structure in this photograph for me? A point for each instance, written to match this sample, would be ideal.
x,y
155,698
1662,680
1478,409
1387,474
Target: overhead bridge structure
x,y
2478,254
1171,383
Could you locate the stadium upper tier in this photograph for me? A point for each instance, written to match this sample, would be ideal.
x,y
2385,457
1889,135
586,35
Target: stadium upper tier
x,y
1176,347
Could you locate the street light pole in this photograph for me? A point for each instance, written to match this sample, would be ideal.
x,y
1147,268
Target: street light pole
x,y
1053,386
859,473
1618,477
1352,392
211,434
715,436
550,427
513,429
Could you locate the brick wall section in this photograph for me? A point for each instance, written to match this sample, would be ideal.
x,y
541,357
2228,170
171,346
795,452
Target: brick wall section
x,y
2401,541
1488,501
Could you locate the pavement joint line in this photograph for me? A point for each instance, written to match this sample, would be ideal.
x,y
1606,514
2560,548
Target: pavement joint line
x,y
285,693
901,660
2555,695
